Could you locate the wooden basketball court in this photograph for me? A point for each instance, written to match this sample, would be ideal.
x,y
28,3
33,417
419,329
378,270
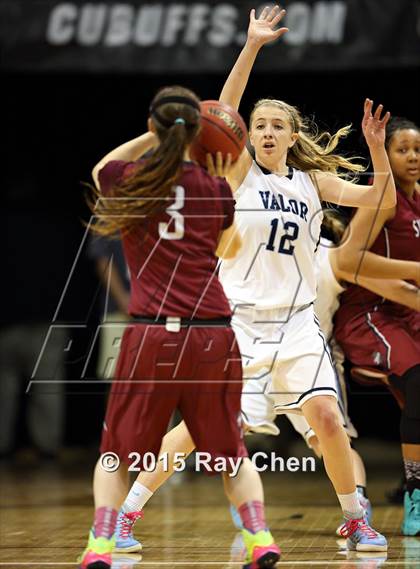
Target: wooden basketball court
x,y
46,511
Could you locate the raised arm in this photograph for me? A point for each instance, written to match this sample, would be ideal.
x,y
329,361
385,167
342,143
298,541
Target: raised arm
x,y
128,152
380,195
260,31
352,257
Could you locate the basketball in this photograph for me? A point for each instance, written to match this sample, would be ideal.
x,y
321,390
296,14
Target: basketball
x,y
222,130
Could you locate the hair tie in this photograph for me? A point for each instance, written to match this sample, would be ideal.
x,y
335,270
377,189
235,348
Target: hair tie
x,y
179,120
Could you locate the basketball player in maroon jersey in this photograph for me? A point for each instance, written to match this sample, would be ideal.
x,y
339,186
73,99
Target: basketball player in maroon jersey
x,y
180,351
384,334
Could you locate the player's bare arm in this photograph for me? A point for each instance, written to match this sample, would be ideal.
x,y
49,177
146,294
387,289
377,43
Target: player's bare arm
x,y
353,255
261,30
382,194
230,240
129,151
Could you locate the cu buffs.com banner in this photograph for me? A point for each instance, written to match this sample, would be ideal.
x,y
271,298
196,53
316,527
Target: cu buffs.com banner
x,y
164,37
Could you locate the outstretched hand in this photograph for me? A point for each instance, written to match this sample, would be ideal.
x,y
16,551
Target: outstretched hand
x,y
262,30
219,167
373,126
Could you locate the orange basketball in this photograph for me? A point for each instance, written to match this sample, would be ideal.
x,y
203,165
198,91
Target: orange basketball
x,y
222,130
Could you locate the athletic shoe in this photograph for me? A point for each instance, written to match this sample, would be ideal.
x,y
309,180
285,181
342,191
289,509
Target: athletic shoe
x,y
367,508
262,552
125,541
97,554
361,537
411,521
236,518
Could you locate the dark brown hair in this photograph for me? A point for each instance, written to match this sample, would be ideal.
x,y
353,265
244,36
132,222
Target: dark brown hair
x,y
175,112
395,124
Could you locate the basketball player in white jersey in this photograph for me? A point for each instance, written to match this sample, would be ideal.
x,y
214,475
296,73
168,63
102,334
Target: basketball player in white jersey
x,y
272,281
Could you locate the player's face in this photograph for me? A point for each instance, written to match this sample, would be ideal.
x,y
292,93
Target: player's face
x,y
404,155
271,133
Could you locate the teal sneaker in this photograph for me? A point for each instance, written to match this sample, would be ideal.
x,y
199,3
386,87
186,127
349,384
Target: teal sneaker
x,y
411,521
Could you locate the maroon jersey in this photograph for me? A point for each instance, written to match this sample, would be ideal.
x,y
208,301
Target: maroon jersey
x,y
398,239
375,332
171,256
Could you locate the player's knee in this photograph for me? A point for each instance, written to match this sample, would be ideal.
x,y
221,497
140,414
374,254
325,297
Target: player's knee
x,y
327,422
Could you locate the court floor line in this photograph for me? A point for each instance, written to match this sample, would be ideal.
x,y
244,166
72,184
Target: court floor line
x,y
239,564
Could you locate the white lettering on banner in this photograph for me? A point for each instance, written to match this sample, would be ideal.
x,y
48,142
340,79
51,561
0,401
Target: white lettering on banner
x,y
298,20
60,29
323,23
198,21
91,24
328,21
175,22
167,25
224,23
120,25
148,25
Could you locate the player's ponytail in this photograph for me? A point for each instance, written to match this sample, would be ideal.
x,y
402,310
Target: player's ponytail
x,y
175,114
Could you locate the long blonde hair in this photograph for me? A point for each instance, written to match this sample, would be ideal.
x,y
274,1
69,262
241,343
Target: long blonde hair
x,y
313,150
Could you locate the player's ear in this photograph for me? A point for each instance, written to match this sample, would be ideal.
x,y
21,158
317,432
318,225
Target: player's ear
x,y
151,125
293,139
250,137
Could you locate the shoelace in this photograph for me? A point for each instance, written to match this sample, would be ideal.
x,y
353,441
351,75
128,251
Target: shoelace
x,y
127,521
351,526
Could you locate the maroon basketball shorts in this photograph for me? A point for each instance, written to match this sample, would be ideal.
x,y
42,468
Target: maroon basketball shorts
x,y
196,370
386,338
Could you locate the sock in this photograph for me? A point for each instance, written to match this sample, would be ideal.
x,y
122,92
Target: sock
x,y
361,490
105,521
138,496
252,516
412,474
350,505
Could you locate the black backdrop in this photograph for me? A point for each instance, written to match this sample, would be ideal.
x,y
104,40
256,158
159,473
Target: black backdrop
x,y
56,128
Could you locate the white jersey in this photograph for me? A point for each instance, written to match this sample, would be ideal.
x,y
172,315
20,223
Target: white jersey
x,y
279,219
328,289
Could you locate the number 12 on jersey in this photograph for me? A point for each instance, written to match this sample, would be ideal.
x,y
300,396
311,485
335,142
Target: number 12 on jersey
x,y
291,233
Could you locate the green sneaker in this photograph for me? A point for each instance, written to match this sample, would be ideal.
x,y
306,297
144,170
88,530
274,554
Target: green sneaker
x,y
262,552
411,521
97,554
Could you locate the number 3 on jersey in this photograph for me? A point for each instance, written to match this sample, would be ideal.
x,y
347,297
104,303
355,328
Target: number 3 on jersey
x,y
177,219
285,246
